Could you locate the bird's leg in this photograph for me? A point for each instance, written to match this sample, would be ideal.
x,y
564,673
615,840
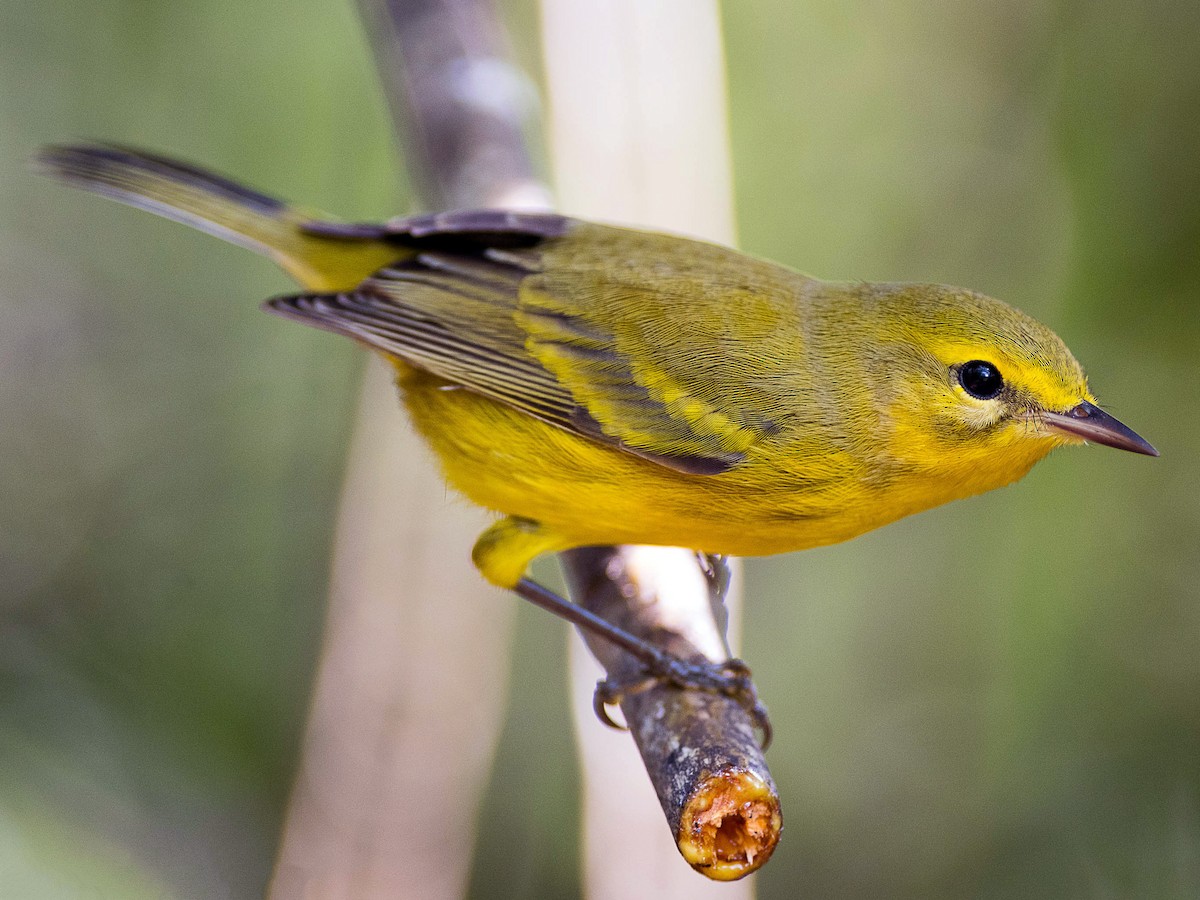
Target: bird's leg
x,y
730,678
715,567
716,571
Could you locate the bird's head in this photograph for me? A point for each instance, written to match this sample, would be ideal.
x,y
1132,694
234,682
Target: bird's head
x,y
977,382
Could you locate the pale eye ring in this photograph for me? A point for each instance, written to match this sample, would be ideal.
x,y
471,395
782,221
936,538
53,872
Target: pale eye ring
x,y
980,379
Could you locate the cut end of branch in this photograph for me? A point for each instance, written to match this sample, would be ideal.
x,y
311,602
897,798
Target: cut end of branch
x,y
730,825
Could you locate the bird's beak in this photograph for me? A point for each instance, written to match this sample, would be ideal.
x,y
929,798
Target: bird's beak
x,y
1091,423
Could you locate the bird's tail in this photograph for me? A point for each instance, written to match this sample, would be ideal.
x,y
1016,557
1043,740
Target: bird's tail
x,y
328,261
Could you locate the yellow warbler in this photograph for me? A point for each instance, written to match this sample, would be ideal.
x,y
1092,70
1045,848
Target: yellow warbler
x,y
599,385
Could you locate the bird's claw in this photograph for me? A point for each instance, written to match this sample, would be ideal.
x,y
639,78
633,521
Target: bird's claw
x,y
731,678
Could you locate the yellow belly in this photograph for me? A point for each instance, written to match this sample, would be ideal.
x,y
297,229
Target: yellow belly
x,y
570,491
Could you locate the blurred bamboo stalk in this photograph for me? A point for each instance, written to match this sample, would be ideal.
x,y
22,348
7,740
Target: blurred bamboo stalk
x,y
410,691
638,132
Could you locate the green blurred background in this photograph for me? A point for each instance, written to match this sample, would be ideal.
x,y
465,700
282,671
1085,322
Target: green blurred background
x,y
996,699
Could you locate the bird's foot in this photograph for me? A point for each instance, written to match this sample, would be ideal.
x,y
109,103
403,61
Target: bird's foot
x,y
731,678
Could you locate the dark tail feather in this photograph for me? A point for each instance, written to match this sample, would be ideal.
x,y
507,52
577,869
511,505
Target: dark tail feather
x,y
218,206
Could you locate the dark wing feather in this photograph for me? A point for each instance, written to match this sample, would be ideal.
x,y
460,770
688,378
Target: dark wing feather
x,y
463,229
450,316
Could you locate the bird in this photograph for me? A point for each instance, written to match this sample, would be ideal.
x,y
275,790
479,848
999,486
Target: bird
x,y
593,384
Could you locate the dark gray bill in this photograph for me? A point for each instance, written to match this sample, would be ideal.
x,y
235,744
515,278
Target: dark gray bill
x,y
1091,423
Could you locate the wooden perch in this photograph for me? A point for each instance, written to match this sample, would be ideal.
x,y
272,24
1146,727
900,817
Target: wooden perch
x,y
459,103
700,749
459,107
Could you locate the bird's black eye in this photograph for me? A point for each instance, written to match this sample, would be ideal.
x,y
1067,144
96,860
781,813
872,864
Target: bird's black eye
x,y
980,379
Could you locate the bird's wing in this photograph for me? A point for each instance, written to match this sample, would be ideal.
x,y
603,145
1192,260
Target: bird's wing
x,y
680,352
